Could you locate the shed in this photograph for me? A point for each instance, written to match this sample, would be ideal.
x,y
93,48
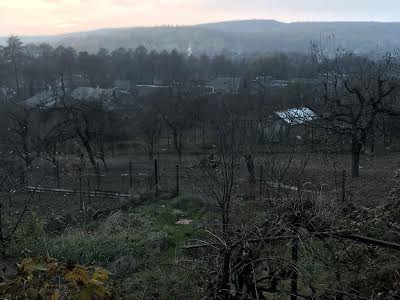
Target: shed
x,y
294,123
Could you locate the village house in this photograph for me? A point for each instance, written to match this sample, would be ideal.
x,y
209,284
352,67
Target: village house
x,y
68,82
145,90
226,84
52,96
291,124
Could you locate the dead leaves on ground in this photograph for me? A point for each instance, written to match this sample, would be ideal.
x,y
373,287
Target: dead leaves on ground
x,y
48,279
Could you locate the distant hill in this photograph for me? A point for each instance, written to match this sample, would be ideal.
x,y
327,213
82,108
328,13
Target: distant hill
x,y
249,36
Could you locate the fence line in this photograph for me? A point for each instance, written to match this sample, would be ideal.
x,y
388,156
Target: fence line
x,y
109,194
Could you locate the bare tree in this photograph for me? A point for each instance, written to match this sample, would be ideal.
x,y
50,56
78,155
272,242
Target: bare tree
x,y
87,122
355,93
22,137
11,217
177,113
150,125
53,134
221,189
13,52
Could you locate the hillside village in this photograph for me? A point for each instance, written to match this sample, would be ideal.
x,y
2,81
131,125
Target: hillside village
x,y
166,175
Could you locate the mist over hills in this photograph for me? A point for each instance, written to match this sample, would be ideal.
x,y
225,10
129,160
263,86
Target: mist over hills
x,y
241,37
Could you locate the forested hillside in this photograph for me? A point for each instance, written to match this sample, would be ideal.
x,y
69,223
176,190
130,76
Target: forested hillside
x,y
243,37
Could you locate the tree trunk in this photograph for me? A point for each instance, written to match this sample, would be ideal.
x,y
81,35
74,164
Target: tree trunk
x,y
294,276
62,86
178,143
180,156
102,154
150,146
88,147
355,159
250,168
224,288
252,176
16,79
150,152
113,147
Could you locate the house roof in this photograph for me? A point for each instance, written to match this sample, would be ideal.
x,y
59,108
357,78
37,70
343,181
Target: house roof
x,y
43,99
123,85
277,83
143,90
296,116
88,93
226,83
50,97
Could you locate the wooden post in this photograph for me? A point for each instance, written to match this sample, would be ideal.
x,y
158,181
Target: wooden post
x,y
58,174
177,179
80,193
98,175
344,186
88,184
130,175
156,175
261,180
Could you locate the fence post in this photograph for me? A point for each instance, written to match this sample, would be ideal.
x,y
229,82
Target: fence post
x,y
156,174
344,186
88,184
177,179
58,174
130,174
98,175
261,180
80,193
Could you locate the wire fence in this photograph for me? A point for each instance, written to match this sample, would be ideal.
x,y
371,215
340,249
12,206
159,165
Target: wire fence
x,y
122,175
138,175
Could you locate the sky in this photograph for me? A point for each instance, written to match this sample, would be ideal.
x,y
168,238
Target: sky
x,y
40,17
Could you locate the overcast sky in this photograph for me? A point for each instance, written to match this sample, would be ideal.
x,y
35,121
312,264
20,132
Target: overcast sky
x,y
29,17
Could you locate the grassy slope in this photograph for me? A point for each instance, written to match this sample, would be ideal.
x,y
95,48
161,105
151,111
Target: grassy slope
x,y
145,239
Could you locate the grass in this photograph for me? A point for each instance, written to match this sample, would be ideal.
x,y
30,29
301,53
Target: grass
x,y
165,213
149,234
121,233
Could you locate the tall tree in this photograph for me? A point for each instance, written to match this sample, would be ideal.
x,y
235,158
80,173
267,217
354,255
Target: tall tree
x,y
14,53
355,92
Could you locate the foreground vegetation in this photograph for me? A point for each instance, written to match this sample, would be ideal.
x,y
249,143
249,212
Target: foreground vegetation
x,y
138,245
234,194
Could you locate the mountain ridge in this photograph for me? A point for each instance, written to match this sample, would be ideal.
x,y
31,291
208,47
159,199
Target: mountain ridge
x,y
237,36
